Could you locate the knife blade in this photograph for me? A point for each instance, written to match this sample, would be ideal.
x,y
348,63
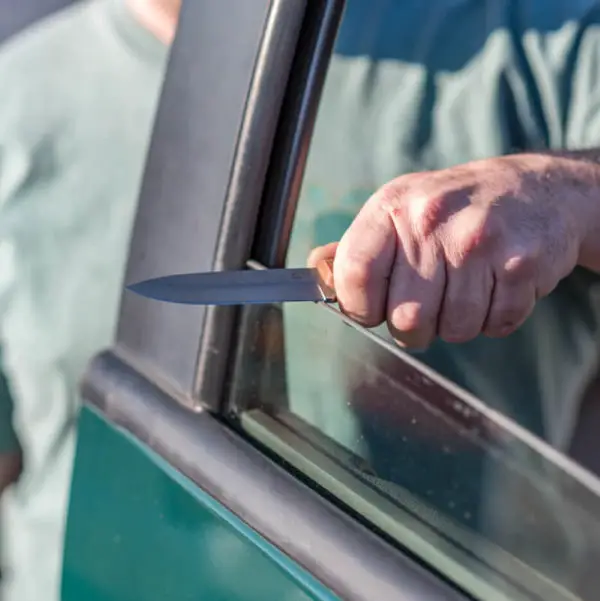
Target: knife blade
x,y
241,287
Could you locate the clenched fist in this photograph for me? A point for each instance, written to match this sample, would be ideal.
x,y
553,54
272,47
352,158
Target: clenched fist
x,y
469,249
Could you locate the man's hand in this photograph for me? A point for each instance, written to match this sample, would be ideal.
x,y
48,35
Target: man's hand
x,y
466,250
10,469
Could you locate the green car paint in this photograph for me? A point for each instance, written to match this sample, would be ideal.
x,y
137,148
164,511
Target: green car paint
x,y
138,530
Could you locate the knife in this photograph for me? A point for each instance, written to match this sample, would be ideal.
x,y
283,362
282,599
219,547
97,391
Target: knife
x,y
251,286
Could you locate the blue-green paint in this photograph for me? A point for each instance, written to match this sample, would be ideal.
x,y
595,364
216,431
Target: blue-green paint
x,y
140,531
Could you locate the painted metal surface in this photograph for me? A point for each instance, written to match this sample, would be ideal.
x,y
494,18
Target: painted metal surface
x,y
140,531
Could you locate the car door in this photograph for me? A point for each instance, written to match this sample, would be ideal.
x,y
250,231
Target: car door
x,y
211,464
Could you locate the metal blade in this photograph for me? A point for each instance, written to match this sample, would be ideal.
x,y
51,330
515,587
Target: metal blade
x,y
237,287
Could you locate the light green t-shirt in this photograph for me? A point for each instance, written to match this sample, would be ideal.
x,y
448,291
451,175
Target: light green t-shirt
x,y
78,93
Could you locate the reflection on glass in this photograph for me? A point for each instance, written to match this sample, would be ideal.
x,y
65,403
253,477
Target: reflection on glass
x,y
467,489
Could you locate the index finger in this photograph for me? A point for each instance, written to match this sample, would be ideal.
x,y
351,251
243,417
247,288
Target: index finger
x,y
322,253
363,263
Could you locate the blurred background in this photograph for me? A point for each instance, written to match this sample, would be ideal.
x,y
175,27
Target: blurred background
x,y
15,15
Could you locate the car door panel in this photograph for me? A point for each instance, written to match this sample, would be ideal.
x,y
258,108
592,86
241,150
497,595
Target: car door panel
x,y
169,499
146,532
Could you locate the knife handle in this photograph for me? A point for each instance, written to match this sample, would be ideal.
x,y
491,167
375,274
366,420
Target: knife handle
x,y
326,283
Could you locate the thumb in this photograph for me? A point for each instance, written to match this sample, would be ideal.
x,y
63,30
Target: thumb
x,y
322,253
322,259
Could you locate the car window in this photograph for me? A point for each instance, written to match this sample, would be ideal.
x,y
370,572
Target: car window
x,y
467,490
455,454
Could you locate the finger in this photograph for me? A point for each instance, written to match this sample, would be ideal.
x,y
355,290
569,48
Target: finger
x,y
322,253
511,305
466,303
363,263
416,290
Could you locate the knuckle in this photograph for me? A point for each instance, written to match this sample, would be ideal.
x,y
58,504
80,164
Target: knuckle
x,y
473,235
426,213
410,320
407,317
521,264
478,234
403,202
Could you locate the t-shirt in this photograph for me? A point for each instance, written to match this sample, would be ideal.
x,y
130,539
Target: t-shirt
x,y
78,93
421,85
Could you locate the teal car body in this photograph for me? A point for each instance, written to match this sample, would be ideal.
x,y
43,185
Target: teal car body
x,y
155,535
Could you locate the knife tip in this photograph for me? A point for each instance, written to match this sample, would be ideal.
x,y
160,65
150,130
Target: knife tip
x,y
138,288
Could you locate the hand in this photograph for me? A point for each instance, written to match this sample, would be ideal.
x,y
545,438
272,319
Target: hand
x,y
462,251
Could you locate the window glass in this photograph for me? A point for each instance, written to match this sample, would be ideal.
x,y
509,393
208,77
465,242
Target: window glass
x,y
481,489
467,490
